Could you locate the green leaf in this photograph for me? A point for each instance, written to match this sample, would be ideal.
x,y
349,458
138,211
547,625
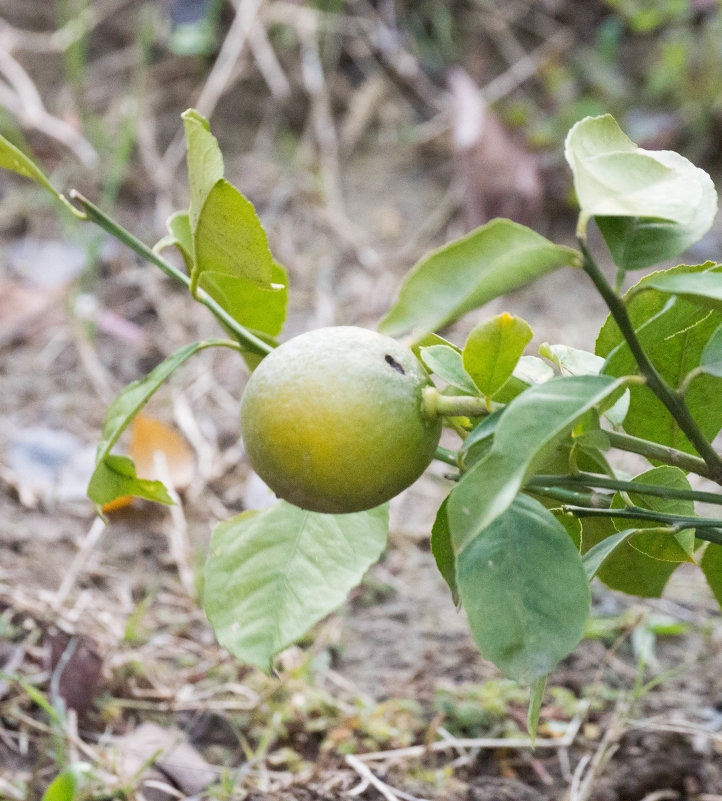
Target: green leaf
x,y
179,236
535,703
637,243
205,162
572,525
711,359
12,158
595,557
272,574
442,550
572,361
229,238
665,202
711,564
673,332
667,548
525,436
465,274
115,476
523,586
447,364
65,786
704,289
260,308
625,568
493,349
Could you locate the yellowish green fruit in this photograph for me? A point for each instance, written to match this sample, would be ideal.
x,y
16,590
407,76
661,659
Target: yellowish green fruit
x,y
332,420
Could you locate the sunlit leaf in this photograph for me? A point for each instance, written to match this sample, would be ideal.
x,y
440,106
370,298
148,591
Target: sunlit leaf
x,y
272,574
649,205
179,236
229,237
205,162
467,273
259,308
115,477
447,364
523,618
493,349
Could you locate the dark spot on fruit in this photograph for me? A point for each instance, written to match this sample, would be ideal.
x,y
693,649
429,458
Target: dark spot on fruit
x,y
390,360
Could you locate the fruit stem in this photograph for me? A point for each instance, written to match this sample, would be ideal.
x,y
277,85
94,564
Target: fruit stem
x,y
434,404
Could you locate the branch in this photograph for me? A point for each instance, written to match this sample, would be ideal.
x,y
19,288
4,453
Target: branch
x,y
672,400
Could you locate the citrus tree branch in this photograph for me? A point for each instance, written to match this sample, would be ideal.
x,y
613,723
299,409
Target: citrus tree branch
x,y
97,216
659,453
673,400
705,528
602,482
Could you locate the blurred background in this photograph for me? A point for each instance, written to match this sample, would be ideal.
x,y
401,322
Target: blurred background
x,y
365,133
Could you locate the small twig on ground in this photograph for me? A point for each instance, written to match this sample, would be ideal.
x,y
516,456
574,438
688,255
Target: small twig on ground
x,y
584,777
20,95
178,542
368,777
80,560
483,742
217,81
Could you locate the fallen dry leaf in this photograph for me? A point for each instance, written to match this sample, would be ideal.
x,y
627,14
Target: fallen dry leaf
x,y
150,439
175,758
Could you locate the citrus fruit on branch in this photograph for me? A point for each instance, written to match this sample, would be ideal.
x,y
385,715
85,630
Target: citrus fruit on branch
x,y
332,420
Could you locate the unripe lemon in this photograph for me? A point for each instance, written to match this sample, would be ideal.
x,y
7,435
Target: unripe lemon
x,y
332,420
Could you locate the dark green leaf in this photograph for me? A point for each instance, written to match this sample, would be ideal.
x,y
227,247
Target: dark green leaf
x,y
625,568
711,358
673,333
535,703
666,547
636,243
493,349
272,574
595,557
525,436
465,274
711,565
523,586
442,550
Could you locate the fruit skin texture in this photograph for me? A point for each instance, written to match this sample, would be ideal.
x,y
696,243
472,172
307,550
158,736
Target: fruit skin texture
x,y
332,420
